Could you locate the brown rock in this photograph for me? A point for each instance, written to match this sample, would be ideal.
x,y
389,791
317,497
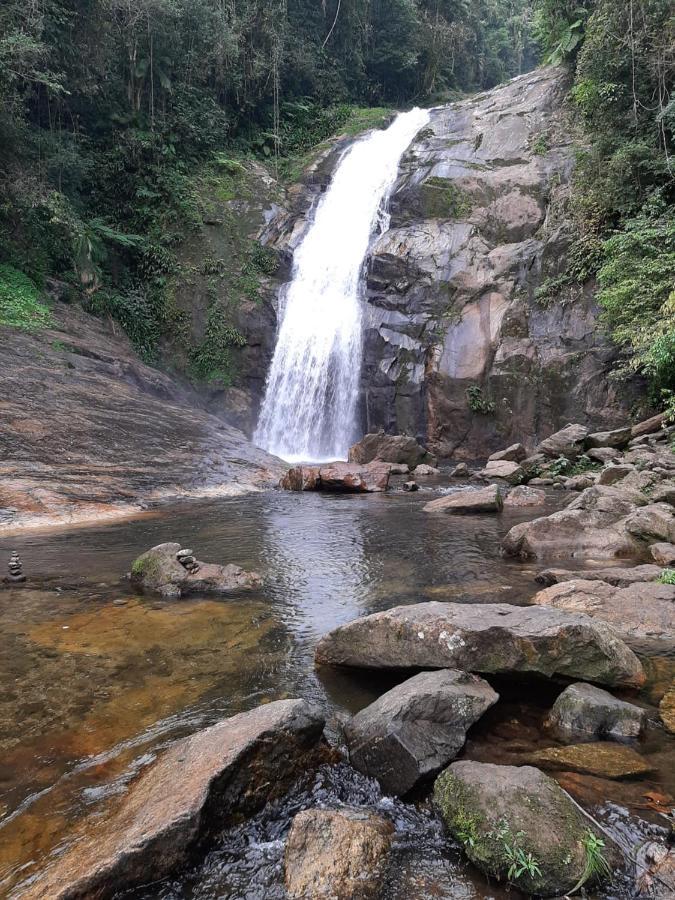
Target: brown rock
x,y
653,523
663,554
601,759
301,478
584,712
617,576
392,448
199,786
603,454
339,477
656,871
667,710
515,453
568,442
336,854
649,426
616,439
508,471
423,469
524,496
615,473
484,500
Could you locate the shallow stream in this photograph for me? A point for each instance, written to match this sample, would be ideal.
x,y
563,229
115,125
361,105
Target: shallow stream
x,y
96,679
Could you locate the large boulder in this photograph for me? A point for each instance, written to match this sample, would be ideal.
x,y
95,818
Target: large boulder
x,y
502,813
663,554
508,471
653,524
568,442
482,500
656,871
417,728
515,453
339,477
616,439
161,571
337,854
392,448
642,611
524,496
667,709
602,760
584,712
485,638
617,576
200,785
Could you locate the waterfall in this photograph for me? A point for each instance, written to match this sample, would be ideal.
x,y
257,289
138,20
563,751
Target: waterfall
x,y
309,410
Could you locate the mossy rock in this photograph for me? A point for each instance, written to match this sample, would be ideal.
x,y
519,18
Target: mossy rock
x,y
442,199
516,824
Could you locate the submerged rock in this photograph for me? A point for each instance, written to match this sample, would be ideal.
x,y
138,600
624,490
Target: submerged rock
x,y
392,448
586,712
640,611
339,477
603,760
500,812
336,854
485,638
415,729
483,500
199,786
616,575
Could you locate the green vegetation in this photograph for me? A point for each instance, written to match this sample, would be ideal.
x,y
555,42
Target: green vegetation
x,y
478,402
667,577
597,868
444,200
623,192
20,304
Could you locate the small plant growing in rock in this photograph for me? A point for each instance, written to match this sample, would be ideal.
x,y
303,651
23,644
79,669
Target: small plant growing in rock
x,y
521,863
478,402
667,577
466,829
597,867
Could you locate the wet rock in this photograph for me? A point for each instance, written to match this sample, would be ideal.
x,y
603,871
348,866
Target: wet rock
x,y
584,712
14,570
667,710
494,811
426,470
663,554
337,854
460,471
399,469
392,448
524,496
638,612
656,871
515,453
483,500
339,477
411,486
417,728
485,638
617,576
160,571
603,454
602,760
568,442
202,784
508,471
616,439
615,473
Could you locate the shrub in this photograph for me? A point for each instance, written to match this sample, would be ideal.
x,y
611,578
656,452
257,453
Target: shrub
x,y
20,305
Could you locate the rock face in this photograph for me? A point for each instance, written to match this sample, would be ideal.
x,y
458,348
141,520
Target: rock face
x,y
484,500
417,728
200,785
391,448
494,811
485,638
584,712
91,433
160,571
336,854
349,478
602,760
641,611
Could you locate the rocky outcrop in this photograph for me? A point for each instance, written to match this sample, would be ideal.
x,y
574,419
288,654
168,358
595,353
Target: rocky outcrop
x,y
601,760
349,478
91,433
642,611
200,785
417,728
391,448
174,573
485,638
497,811
482,500
336,854
584,712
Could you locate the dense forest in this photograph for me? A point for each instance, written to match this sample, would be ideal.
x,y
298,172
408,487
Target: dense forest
x,y
108,108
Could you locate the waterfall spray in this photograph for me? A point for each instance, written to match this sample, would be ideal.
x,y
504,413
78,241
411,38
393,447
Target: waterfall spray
x,y
309,410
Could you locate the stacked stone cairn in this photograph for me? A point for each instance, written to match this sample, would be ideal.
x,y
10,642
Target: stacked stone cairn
x,y
15,570
188,561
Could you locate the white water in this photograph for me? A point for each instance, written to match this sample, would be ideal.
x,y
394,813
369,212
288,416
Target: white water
x,y
309,410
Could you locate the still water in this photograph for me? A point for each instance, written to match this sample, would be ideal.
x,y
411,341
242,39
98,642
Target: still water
x,y
97,678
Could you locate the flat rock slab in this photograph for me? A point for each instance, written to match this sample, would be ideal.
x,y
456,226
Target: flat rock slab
x,y
584,712
643,611
485,638
336,854
494,811
603,760
339,477
616,575
417,728
159,571
483,500
195,789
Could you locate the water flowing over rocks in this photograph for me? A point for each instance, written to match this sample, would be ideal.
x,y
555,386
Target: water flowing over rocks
x,y
349,478
584,712
487,638
417,728
494,809
201,784
162,570
336,854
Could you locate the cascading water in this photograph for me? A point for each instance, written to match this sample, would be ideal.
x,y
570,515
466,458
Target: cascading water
x,y
309,410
